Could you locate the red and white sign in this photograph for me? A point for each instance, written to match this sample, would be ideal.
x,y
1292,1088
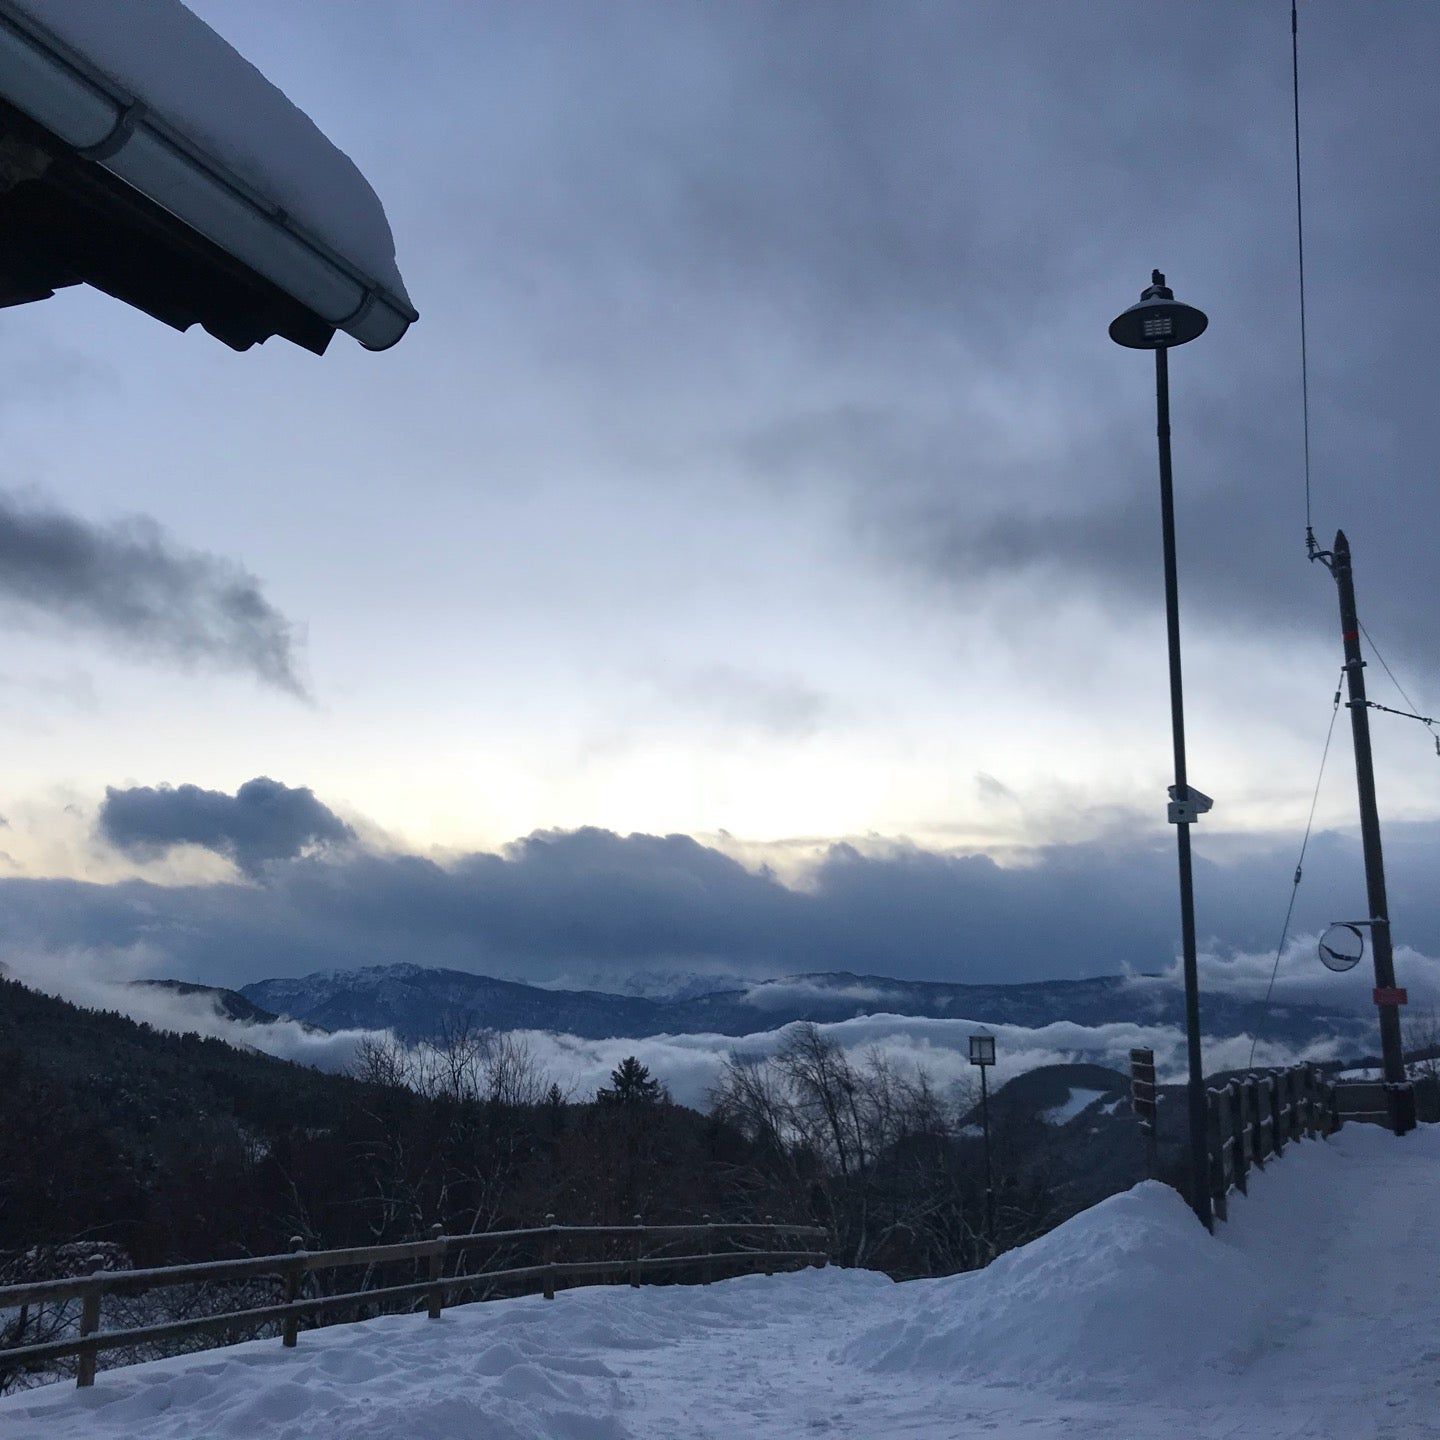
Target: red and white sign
x,y
1391,995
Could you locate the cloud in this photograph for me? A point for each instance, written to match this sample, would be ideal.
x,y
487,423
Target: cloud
x,y
262,821
690,1065
131,582
1300,978
104,979
798,989
780,705
595,903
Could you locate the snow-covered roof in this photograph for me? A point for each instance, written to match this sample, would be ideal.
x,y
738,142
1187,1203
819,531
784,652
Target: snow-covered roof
x,y
164,103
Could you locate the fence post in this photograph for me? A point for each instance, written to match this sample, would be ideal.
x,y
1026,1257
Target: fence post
x,y
549,1257
769,1246
707,1266
1252,1109
635,1255
1214,1139
1277,1128
1311,1091
1237,1136
89,1324
293,1271
437,1268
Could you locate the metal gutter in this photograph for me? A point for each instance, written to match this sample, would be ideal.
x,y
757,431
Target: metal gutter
x,y
86,110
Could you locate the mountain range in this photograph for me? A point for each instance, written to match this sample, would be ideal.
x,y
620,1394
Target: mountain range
x,y
415,1002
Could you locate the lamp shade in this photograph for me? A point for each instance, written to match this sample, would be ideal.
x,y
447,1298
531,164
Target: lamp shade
x,y
1159,321
982,1049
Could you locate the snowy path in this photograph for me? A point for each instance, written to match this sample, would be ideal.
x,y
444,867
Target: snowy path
x,y
1126,1323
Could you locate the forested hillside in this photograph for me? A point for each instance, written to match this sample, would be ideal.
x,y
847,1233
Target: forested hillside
x,y
173,1147
176,1147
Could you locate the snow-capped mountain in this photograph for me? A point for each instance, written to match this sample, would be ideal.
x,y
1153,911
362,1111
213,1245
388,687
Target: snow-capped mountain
x,y
415,1001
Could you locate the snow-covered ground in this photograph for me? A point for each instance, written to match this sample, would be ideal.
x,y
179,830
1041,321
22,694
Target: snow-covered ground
x,y
1314,1313
1074,1102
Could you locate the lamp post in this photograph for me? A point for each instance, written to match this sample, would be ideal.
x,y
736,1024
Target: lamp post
x,y
1157,323
982,1053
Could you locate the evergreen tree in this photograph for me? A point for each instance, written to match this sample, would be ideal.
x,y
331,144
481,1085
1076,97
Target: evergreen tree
x,y
630,1084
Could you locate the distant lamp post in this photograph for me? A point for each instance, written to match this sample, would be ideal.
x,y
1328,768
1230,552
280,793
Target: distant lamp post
x,y
1157,323
982,1053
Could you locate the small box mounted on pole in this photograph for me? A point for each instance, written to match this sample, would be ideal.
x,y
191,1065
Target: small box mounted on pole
x,y
1195,804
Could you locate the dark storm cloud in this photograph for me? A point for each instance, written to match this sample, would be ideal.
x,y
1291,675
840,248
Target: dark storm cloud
x,y
915,221
130,581
594,902
262,821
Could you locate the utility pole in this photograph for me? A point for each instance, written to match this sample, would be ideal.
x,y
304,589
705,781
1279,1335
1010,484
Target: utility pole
x,y
1400,1097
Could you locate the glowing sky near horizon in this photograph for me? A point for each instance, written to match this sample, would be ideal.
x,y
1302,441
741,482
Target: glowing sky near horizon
x,y
760,464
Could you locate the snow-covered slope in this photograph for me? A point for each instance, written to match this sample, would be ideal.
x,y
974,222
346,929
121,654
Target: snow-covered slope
x,y
1314,1313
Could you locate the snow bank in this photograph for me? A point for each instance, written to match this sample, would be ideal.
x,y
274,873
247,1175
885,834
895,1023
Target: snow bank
x,y
1134,1288
1111,1293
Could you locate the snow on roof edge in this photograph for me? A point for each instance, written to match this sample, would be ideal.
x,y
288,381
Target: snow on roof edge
x,y
255,176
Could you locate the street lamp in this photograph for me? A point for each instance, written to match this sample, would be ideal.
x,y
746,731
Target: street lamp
x,y
982,1053
1157,323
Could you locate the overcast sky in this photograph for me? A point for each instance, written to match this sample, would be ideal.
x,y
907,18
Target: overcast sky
x,y
759,471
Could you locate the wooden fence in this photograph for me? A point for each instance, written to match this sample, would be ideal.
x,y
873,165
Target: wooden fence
x,y
755,1247
1252,1119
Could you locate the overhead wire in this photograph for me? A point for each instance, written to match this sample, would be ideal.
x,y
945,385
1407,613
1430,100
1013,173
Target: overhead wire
x,y
1300,246
1299,871
1404,695
1412,713
1312,548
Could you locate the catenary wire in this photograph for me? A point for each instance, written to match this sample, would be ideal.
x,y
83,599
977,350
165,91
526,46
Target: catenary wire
x,y
1300,246
1299,872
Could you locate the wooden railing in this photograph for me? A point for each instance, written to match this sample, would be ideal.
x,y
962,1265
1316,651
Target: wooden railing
x,y
434,1290
1252,1119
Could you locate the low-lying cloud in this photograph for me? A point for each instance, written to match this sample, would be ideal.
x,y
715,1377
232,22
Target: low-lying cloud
x,y
1300,978
790,990
262,821
130,581
109,980
691,1065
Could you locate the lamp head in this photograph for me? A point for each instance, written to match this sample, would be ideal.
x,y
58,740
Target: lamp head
x,y
1159,321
